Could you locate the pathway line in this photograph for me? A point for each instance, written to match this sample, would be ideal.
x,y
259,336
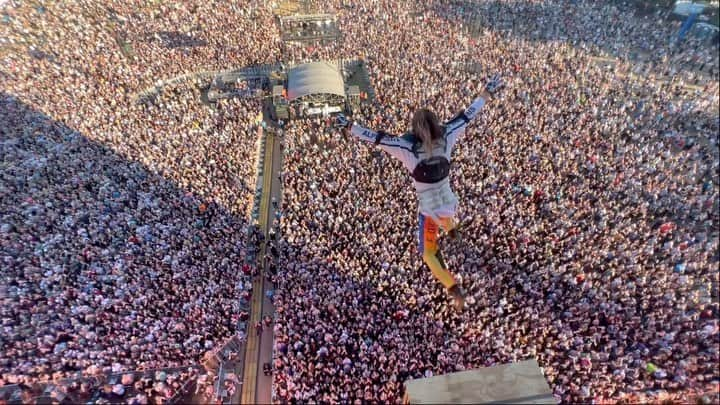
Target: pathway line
x,y
252,347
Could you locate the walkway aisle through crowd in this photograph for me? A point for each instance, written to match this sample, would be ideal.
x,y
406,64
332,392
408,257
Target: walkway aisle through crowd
x,y
251,347
257,386
264,382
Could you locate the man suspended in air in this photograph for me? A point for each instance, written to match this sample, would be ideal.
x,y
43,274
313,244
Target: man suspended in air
x,y
425,153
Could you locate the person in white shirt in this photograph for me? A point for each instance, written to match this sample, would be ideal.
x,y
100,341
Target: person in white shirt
x,y
425,153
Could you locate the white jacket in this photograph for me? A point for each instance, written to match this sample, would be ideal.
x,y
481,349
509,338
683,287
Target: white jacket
x,y
436,199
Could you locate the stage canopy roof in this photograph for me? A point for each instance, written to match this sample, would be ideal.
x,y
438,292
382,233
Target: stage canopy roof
x,y
315,78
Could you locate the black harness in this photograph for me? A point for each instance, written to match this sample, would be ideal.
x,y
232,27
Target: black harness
x,y
436,168
432,170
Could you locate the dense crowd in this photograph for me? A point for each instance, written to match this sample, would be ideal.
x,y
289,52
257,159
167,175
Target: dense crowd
x,y
591,194
122,223
592,197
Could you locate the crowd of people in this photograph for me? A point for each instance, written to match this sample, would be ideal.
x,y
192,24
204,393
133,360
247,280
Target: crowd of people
x,y
591,195
592,198
122,223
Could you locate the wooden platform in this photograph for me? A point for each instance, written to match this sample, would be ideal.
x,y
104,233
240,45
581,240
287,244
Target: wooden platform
x,y
515,383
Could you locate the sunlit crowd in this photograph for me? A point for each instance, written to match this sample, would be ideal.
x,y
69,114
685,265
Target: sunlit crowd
x,y
589,190
591,195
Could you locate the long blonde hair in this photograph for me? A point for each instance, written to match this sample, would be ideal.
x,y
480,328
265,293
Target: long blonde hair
x,y
426,126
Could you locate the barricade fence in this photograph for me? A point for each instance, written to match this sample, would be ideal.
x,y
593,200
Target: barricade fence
x,y
347,67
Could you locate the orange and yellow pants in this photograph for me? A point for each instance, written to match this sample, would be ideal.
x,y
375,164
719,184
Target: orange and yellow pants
x,y
428,238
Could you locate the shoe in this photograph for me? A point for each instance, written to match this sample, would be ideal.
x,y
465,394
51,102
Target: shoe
x,y
457,294
456,233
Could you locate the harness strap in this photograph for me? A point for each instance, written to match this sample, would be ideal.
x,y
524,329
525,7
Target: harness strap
x,y
432,170
461,115
380,135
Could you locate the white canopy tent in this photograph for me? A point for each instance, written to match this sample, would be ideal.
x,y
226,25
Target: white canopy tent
x,y
314,79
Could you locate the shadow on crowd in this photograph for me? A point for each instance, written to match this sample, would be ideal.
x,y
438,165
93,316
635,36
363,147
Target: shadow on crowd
x,y
96,251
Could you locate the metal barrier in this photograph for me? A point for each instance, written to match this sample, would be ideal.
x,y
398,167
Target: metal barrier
x,y
347,67
207,75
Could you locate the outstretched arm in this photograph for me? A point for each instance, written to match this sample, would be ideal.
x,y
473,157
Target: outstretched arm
x,y
456,126
395,146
